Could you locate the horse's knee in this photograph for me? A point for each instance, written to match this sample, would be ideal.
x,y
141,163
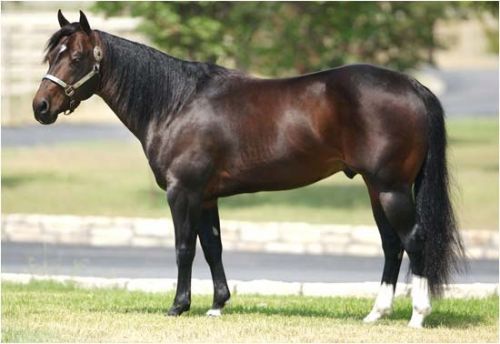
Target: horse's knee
x,y
185,255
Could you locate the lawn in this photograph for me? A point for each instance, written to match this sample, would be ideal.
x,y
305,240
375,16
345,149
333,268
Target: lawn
x,y
113,178
53,312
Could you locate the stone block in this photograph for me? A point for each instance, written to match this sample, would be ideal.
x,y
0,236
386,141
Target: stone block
x,y
474,290
230,235
98,282
150,241
336,229
17,278
366,235
266,287
258,233
250,246
110,236
334,248
335,238
314,248
474,252
22,228
62,224
490,253
71,238
152,285
365,250
300,234
153,227
202,287
367,289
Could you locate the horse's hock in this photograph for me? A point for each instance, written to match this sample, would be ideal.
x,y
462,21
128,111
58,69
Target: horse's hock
x,y
276,237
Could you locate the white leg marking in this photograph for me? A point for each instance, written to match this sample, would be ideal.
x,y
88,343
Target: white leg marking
x,y
421,301
383,303
214,312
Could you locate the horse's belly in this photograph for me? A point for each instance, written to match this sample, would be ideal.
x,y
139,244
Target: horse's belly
x,y
276,175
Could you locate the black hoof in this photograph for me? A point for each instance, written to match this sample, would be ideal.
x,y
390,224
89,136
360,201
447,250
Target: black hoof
x,y
177,310
221,300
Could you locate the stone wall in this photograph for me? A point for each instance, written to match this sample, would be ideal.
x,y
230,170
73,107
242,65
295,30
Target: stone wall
x,y
277,237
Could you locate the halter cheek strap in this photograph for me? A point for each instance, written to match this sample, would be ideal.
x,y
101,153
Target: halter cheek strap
x,y
69,90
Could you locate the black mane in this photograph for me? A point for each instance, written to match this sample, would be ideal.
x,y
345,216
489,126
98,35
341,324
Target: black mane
x,y
148,82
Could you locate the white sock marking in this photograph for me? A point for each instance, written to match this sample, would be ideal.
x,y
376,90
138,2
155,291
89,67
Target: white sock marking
x,y
421,301
383,303
214,312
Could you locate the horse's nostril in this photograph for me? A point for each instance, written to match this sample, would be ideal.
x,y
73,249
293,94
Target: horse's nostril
x,y
43,107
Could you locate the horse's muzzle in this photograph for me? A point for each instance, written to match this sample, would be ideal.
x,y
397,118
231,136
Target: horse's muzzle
x,y
41,109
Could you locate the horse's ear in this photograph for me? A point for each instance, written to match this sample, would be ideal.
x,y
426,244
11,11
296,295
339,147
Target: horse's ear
x,y
62,21
84,23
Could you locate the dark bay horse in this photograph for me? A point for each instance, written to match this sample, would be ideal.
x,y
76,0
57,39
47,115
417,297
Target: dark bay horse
x,y
210,132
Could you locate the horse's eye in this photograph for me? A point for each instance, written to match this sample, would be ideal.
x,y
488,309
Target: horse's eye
x,y
76,59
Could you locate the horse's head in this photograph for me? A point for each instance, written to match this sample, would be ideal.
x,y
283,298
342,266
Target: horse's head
x,y
73,54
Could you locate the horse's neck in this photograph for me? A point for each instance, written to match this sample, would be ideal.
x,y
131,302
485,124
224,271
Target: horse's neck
x,y
140,84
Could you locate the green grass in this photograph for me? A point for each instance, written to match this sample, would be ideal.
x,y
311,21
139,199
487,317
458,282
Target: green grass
x,y
109,178
53,312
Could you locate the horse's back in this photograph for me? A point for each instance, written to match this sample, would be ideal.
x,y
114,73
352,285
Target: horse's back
x,y
285,133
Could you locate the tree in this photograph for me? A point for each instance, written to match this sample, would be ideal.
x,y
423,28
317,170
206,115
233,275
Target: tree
x,y
282,38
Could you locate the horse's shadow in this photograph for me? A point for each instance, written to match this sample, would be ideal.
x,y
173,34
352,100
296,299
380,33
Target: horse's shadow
x,y
438,318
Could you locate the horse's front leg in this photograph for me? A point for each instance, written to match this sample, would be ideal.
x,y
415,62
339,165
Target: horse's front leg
x,y
210,238
185,206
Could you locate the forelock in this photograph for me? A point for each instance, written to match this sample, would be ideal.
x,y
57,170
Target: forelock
x,y
54,40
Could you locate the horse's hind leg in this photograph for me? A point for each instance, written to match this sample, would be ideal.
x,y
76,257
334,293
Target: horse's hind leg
x,y
393,255
399,209
210,239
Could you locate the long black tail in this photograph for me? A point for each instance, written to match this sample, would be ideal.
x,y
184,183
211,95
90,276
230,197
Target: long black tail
x,y
443,250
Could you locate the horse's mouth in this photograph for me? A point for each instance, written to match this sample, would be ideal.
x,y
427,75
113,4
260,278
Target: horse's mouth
x,y
48,119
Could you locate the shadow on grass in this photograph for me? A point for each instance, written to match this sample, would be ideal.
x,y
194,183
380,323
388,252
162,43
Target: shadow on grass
x,y
453,319
333,313
341,309
438,318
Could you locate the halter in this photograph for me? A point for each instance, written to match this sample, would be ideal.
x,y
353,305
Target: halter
x,y
69,90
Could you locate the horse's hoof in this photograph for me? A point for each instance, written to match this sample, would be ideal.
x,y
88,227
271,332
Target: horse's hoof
x,y
214,312
418,316
175,311
376,314
415,325
372,317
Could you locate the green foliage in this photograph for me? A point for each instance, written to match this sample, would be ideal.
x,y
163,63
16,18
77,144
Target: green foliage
x,y
487,12
278,38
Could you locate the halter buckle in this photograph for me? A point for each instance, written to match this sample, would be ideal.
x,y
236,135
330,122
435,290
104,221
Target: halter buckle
x,y
72,103
69,91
